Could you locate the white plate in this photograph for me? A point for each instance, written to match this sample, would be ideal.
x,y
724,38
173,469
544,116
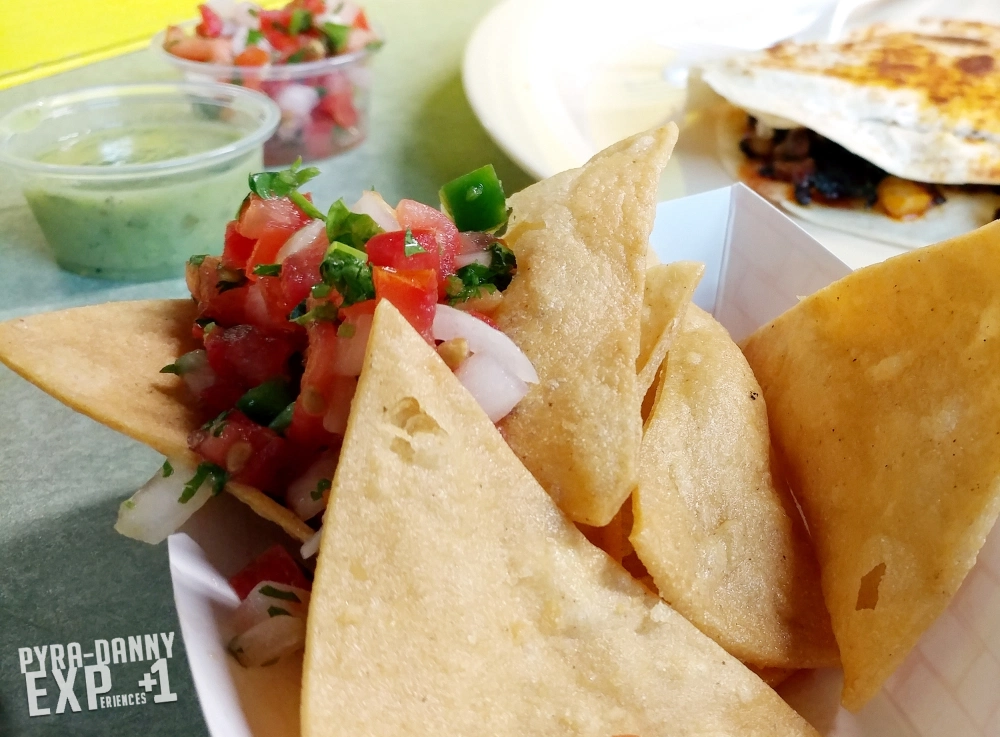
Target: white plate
x,y
555,81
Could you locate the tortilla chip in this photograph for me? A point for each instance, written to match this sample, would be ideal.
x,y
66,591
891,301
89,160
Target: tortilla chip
x,y
452,598
574,308
104,361
720,536
884,401
773,677
667,293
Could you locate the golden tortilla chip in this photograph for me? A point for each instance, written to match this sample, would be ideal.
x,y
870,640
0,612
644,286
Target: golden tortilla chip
x,y
720,536
574,308
104,361
667,293
884,399
453,598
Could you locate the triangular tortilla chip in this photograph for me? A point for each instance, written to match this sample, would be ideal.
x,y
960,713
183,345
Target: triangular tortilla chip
x,y
104,361
667,293
721,537
574,308
884,399
453,598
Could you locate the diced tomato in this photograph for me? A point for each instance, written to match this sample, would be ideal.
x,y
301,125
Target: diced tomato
x,y
413,292
338,100
259,215
211,23
226,308
361,21
274,564
250,453
267,246
300,272
248,355
316,7
252,56
237,248
388,249
307,430
414,215
274,25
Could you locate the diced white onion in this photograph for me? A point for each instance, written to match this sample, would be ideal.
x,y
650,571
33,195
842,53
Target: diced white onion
x,y
198,374
247,15
297,99
474,242
358,38
311,546
349,355
260,606
481,257
239,37
335,419
496,391
451,323
299,496
301,239
154,511
372,205
268,641
256,306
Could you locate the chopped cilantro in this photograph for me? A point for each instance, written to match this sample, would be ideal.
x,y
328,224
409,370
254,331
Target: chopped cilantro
x,y
197,260
300,21
271,184
170,368
411,246
336,36
324,311
128,504
471,281
277,611
350,228
321,488
254,37
305,205
203,473
374,45
266,401
267,270
167,469
280,423
347,270
217,425
321,290
190,361
297,57
280,594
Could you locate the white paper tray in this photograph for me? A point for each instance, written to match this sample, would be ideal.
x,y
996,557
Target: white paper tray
x,y
758,264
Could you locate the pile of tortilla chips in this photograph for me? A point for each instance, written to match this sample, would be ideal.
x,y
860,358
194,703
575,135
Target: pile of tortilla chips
x,y
454,595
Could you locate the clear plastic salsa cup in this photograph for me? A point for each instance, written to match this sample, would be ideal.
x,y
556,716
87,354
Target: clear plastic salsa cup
x,y
128,181
324,103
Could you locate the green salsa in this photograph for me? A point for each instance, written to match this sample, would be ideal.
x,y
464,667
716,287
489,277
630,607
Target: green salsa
x,y
139,228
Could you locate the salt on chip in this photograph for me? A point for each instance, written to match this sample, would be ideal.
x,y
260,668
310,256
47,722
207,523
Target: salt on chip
x,y
884,399
667,293
574,308
452,597
104,361
717,531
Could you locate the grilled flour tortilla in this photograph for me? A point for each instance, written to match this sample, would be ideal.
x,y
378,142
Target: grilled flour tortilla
x,y
453,598
917,103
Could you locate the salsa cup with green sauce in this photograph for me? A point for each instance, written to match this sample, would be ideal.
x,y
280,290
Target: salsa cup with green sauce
x,y
128,181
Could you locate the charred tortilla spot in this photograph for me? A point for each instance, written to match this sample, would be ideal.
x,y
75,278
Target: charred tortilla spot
x,y
979,64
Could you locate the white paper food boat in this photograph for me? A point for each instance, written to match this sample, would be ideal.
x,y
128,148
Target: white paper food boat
x,y
758,264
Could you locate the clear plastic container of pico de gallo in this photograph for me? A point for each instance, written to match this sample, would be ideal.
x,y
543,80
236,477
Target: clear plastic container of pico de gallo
x,y
311,57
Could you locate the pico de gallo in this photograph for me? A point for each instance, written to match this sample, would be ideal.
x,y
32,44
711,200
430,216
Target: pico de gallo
x,y
323,104
283,319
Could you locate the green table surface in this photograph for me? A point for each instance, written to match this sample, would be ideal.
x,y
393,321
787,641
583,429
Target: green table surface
x,y
65,576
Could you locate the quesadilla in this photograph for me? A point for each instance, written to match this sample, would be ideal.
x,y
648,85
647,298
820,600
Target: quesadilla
x,y
453,598
891,134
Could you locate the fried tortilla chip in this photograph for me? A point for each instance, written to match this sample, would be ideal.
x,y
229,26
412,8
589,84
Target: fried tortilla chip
x,y
884,400
104,361
667,293
720,536
453,598
574,308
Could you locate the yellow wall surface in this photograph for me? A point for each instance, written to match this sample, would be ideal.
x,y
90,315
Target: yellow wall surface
x,y
42,37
